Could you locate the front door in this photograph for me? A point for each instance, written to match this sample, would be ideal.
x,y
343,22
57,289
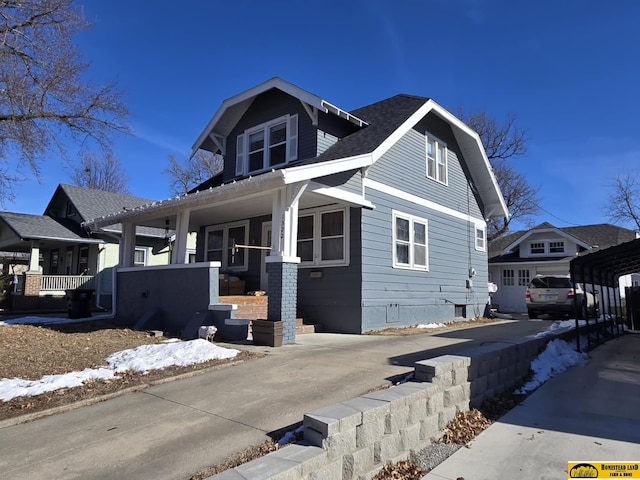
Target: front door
x,y
266,242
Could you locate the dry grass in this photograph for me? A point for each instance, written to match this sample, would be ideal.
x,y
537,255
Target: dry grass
x,y
30,352
400,331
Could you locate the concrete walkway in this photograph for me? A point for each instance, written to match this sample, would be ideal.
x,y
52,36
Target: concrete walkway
x,y
173,430
588,413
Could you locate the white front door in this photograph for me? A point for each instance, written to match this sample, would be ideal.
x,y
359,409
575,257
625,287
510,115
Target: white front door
x,y
266,242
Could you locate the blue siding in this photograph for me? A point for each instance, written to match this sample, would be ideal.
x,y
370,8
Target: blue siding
x,y
350,181
399,297
404,167
325,140
334,299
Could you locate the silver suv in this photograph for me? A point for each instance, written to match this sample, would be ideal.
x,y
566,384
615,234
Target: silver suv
x,y
554,295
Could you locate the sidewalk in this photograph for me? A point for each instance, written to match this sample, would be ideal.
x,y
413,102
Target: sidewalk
x,y
588,413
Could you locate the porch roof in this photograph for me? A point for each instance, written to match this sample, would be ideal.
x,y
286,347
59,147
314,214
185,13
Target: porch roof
x,y
246,198
22,228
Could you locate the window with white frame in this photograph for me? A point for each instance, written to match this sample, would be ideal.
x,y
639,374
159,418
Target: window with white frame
x,y
523,278
221,245
268,145
322,237
507,278
410,248
537,248
140,257
480,238
556,247
436,159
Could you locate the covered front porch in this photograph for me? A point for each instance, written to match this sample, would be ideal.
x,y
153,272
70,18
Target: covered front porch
x,y
249,229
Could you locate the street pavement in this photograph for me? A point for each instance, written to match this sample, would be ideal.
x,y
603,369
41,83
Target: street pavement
x,y
178,428
589,413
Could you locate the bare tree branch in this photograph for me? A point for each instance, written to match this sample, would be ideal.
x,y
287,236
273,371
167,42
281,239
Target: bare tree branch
x,y
183,176
44,99
623,205
101,172
503,142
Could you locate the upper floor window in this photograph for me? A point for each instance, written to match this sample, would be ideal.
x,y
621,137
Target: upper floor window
x,y
556,247
537,248
436,159
268,145
221,245
480,238
322,237
410,242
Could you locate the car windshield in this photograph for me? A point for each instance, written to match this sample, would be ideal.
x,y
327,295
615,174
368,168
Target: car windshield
x,y
551,282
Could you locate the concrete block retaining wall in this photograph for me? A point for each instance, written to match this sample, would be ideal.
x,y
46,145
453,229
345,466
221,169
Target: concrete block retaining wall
x,y
353,440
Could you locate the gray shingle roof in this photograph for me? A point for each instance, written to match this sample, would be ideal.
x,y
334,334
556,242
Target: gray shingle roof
x,y
598,236
28,226
92,203
383,117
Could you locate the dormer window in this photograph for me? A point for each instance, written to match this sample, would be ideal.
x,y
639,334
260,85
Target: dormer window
x,y
267,146
537,248
556,247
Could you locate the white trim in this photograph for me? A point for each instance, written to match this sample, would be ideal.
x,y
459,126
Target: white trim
x,y
171,266
225,227
394,192
412,219
322,169
483,228
339,194
437,142
555,230
281,259
317,213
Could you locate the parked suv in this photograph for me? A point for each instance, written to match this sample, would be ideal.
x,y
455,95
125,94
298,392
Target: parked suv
x,y
555,295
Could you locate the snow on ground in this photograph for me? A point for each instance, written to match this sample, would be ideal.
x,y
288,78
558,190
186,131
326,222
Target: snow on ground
x,y
558,356
430,325
568,324
140,359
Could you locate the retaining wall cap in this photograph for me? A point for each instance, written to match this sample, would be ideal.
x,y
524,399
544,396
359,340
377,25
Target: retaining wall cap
x,y
488,349
445,362
365,404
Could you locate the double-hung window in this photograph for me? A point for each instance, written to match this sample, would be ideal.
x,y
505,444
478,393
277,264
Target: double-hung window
x,y
480,238
221,245
436,159
322,237
537,248
268,145
410,248
556,247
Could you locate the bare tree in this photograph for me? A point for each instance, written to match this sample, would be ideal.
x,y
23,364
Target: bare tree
x,y
623,205
101,172
44,99
503,142
183,176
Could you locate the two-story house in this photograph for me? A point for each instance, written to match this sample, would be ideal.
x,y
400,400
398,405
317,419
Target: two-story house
x,y
358,220
516,258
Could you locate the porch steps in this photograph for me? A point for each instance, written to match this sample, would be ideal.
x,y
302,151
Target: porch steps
x,y
255,308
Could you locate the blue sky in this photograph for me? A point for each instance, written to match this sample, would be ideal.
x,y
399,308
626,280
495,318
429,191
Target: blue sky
x,y
569,70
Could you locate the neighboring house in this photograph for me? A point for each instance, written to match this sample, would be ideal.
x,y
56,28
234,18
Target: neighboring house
x,y
364,220
516,258
64,255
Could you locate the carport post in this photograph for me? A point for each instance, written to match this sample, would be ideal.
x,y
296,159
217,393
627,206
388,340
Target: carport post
x,y
575,303
616,303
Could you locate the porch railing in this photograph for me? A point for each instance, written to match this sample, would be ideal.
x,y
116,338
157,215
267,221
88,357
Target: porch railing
x,y
60,283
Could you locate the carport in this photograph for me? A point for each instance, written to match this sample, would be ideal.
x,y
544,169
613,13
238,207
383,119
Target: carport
x,y
601,270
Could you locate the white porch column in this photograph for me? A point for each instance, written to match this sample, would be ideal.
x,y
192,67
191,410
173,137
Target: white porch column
x,y
182,231
284,220
34,258
128,244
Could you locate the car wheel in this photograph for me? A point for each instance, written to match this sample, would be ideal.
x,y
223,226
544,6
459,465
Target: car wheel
x,y
532,314
581,312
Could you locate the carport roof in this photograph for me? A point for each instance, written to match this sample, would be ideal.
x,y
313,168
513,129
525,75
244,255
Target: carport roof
x,y
606,266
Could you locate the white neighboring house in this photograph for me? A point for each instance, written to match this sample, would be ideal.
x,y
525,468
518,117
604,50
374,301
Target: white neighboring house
x,y
516,258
